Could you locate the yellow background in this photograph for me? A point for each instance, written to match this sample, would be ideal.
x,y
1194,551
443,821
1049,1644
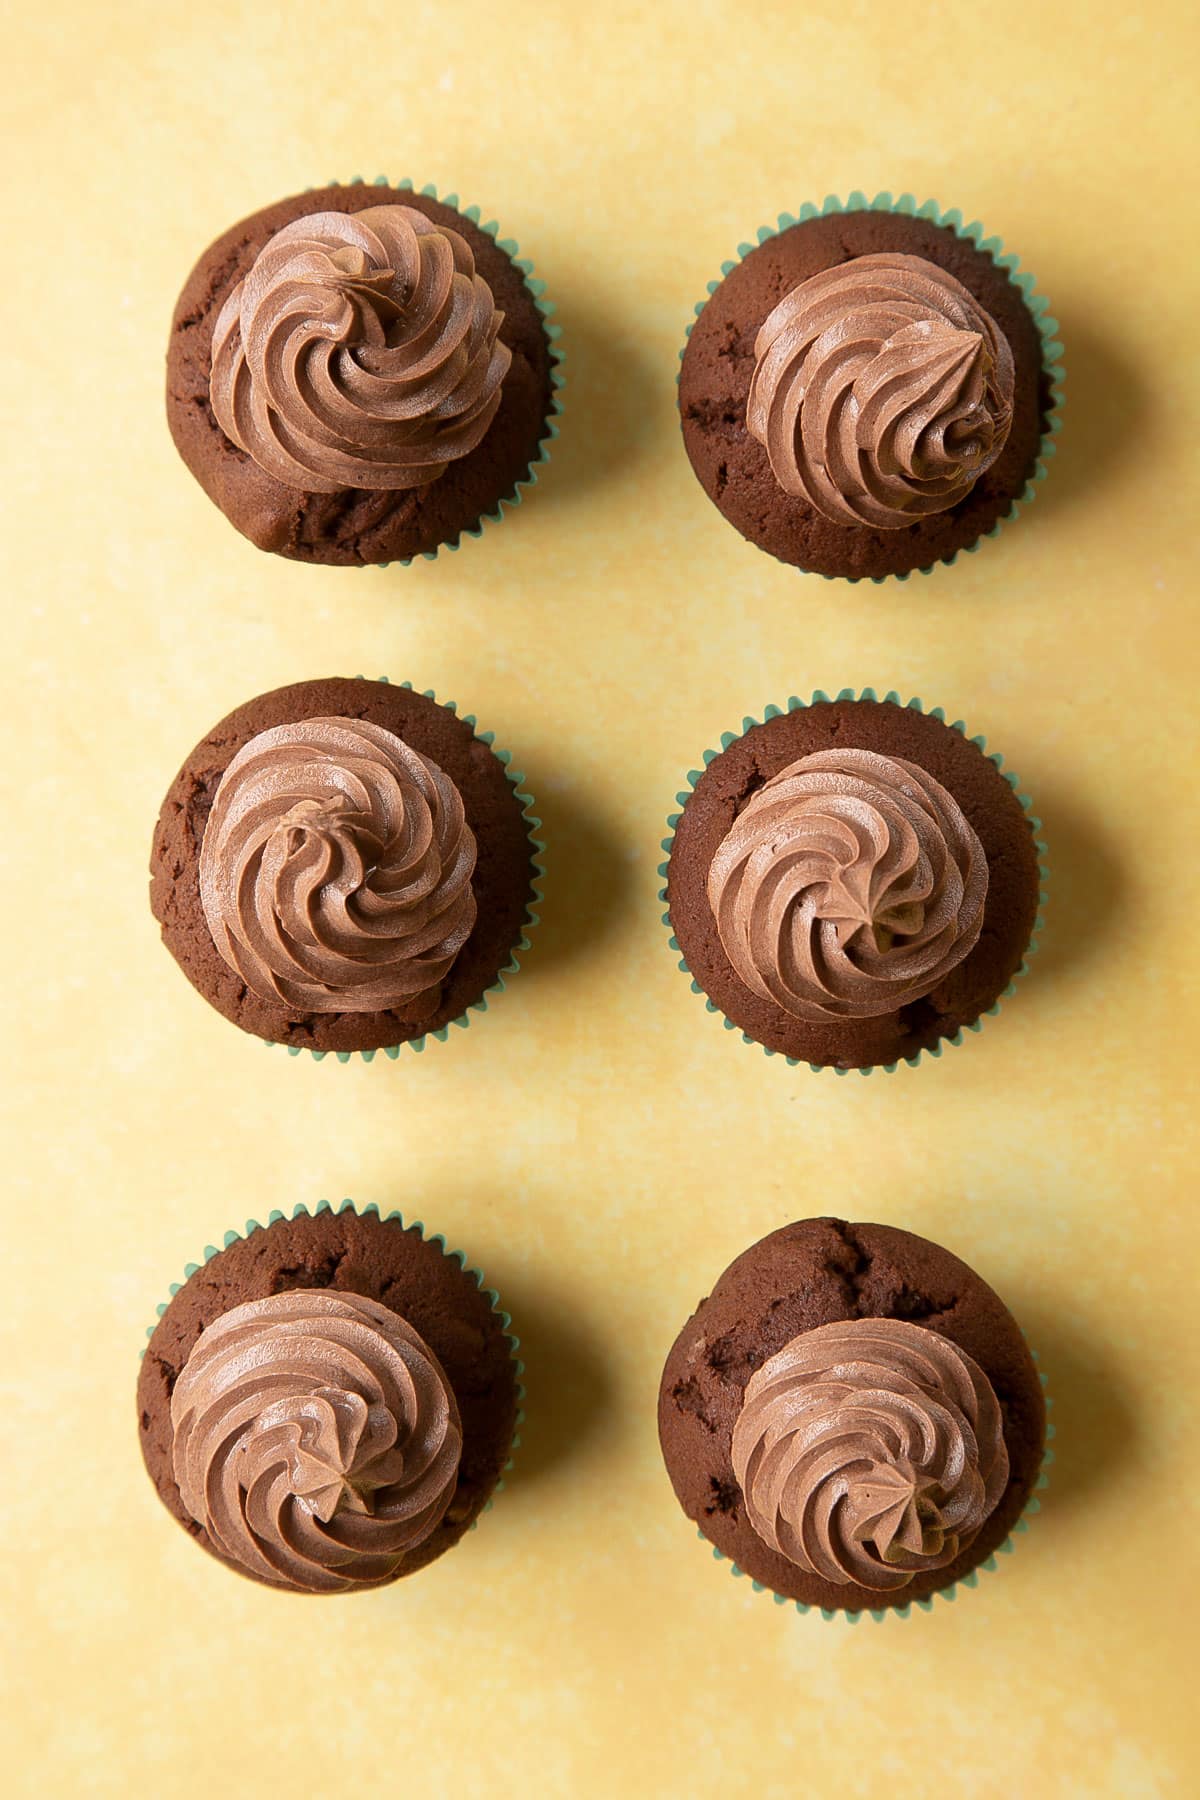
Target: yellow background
x,y
597,1142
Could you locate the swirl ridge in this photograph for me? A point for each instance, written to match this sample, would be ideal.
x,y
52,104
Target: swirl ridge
x,y
360,351
881,391
315,1438
870,1450
335,869
849,885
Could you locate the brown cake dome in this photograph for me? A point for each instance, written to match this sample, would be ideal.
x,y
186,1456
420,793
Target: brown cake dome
x,y
329,1402
852,1417
345,865
361,374
852,882
868,390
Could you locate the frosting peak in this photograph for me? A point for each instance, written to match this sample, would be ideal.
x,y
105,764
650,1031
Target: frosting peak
x,y
316,1439
360,351
335,870
849,885
881,391
869,1450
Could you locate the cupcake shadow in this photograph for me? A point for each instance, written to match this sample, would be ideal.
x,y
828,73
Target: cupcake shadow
x,y
1088,885
613,409
568,1386
1095,1423
1106,402
588,881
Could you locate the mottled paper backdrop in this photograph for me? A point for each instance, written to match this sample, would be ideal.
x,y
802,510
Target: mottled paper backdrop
x,y
597,1142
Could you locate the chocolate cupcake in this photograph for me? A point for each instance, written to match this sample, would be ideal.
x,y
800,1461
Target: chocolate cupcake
x,y
345,865
852,1417
330,1401
361,374
870,389
852,882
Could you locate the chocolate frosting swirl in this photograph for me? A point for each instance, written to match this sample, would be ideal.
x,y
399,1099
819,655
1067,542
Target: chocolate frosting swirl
x,y
335,870
316,1439
881,391
849,884
869,1450
360,351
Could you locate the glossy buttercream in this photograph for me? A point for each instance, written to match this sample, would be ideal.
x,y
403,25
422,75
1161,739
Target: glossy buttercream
x,y
868,1451
335,869
849,885
360,351
315,1439
881,391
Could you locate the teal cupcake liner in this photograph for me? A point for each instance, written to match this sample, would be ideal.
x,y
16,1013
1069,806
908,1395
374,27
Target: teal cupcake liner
x,y
989,1565
516,780
1038,305
891,698
458,1256
546,308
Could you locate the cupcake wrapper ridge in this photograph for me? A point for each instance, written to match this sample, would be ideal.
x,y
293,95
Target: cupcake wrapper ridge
x,y
458,1256
988,1566
537,289
820,698
1038,305
516,781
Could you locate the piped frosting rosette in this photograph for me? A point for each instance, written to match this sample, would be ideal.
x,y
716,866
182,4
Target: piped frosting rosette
x,y
849,885
360,351
869,1450
881,391
315,1438
335,870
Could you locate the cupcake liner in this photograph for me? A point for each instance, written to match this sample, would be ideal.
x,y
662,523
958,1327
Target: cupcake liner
x,y
458,1256
1032,1506
819,697
1038,305
515,780
537,289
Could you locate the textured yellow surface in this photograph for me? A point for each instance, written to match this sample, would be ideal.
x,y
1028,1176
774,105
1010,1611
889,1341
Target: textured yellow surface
x,y
597,1142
